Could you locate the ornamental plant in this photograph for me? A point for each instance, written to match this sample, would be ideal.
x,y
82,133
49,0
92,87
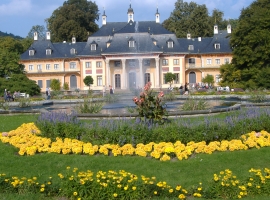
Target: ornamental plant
x,y
150,106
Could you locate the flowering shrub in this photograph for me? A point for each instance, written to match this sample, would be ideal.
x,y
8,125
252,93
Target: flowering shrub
x,y
150,106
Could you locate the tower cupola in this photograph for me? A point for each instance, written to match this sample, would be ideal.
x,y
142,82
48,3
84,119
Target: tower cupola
x,y
104,18
157,17
130,14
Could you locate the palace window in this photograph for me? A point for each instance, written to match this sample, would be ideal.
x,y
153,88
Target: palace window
x,y
93,47
72,65
88,65
56,66
170,44
218,61
48,66
176,81
99,80
31,52
175,61
217,46
72,51
208,61
165,62
39,67
48,51
31,67
131,43
190,47
98,64
40,83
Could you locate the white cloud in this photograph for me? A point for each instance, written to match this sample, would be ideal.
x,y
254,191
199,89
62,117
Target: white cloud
x,y
15,7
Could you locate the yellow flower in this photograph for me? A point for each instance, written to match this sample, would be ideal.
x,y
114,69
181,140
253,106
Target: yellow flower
x,y
134,188
155,192
115,195
42,189
75,193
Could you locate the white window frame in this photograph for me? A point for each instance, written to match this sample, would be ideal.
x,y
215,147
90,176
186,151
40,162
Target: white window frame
x,y
99,81
31,52
72,65
72,51
88,65
217,61
190,47
48,66
175,61
30,67
39,67
131,43
98,64
209,61
165,62
170,44
93,47
48,52
56,66
217,45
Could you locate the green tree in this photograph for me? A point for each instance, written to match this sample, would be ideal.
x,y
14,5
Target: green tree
x,y
75,18
88,80
208,79
250,42
19,82
189,18
230,76
169,78
10,50
55,84
39,29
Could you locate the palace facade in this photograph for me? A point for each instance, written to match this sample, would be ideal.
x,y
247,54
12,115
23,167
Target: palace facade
x,y
127,55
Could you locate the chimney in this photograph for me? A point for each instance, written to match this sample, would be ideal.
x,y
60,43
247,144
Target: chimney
x,y
229,28
199,39
35,36
73,40
188,36
216,29
48,36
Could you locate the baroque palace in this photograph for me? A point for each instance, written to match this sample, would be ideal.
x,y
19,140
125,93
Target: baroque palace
x,y
127,55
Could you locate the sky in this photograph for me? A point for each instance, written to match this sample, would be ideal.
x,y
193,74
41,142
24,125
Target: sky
x,y
18,16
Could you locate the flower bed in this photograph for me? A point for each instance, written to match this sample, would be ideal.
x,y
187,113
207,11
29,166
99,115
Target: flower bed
x,y
27,139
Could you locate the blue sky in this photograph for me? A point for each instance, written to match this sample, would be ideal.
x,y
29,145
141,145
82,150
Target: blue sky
x,y
18,16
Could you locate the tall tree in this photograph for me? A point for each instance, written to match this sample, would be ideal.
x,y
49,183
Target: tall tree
x,y
189,18
10,50
39,29
75,18
251,43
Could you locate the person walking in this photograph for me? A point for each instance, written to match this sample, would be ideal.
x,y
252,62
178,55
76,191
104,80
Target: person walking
x,y
5,95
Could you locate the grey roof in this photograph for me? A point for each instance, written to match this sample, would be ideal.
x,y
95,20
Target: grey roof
x,y
206,44
143,44
59,50
109,29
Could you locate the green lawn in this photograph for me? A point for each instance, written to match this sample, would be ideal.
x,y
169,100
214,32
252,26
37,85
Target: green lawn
x,y
198,168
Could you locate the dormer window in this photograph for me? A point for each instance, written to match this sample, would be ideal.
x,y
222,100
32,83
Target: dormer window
x,y
72,51
217,46
48,52
93,47
190,47
31,52
170,43
131,42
